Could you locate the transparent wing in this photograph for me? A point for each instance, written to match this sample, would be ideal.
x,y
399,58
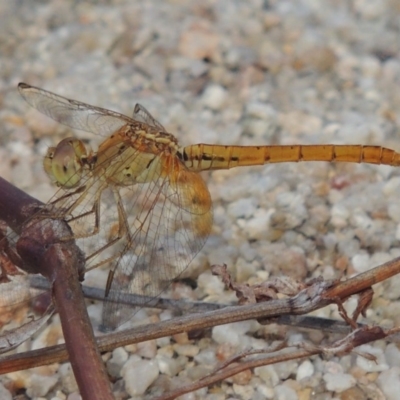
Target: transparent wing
x,y
141,114
168,219
73,113
170,222
148,235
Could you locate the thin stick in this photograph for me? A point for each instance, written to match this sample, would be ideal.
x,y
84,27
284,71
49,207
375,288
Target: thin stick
x,y
60,262
317,296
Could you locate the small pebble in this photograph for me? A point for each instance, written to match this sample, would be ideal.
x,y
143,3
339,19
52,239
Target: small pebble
x,y
304,370
361,262
68,380
147,349
242,208
285,392
268,374
118,359
4,393
392,355
40,385
338,382
379,364
231,333
187,350
389,383
138,375
171,366
214,97
245,392
258,226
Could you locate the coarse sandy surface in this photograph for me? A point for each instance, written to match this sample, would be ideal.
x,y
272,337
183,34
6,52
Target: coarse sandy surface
x,y
229,72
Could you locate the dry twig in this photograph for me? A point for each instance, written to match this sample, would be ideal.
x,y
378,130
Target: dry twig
x,y
42,251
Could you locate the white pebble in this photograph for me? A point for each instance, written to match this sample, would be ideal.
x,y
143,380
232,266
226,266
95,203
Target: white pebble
x,y
371,67
298,122
265,391
339,216
68,380
259,128
248,252
389,383
210,284
333,367
147,349
118,359
339,382
377,365
61,396
206,356
261,110
285,392
294,338
4,393
305,370
188,350
214,97
171,366
391,187
292,204
268,374
163,342
244,392
40,385
392,354
258,226
242,208
360,262
95,311
370,9
231,333
379,258
284,370
138,375
360,220
245,270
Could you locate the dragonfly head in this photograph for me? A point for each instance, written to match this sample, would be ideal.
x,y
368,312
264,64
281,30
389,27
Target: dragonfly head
x,y
63,163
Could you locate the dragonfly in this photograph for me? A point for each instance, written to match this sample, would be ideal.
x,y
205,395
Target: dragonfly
x,y
139,202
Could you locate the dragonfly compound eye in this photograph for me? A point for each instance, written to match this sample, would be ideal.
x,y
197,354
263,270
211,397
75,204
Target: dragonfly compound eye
x,y
64,163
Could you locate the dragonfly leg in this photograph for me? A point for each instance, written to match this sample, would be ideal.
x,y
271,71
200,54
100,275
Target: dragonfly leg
x,y
52,210
123,231
94,210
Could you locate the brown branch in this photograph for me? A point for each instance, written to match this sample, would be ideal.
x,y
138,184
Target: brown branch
x,y
61,262
236,369
58,354
179,307
16,206
306,301
280,354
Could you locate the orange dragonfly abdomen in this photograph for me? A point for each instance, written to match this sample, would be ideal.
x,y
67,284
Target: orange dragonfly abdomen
x,y
202,157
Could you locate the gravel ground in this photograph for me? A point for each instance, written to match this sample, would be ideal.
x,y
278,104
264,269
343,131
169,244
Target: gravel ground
x,y
254,72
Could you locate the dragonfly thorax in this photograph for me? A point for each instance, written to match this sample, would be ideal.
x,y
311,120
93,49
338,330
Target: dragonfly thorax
x,y
125,161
